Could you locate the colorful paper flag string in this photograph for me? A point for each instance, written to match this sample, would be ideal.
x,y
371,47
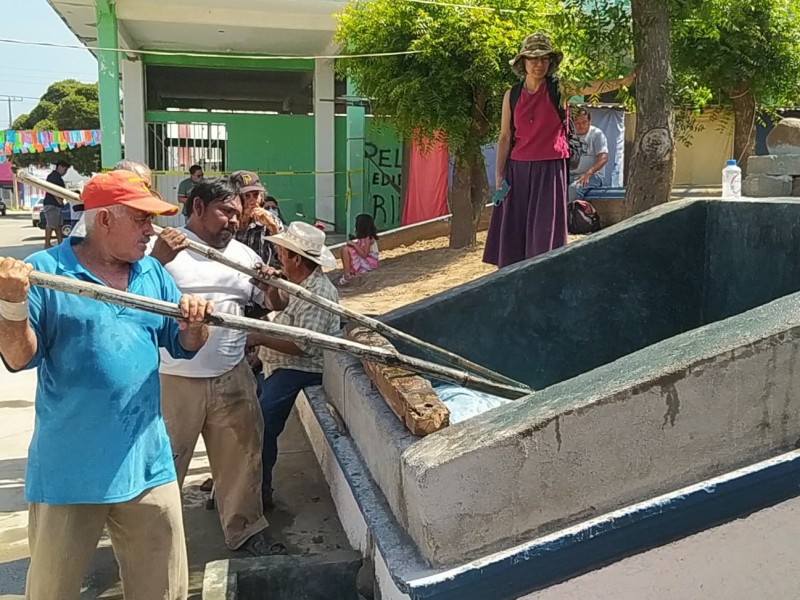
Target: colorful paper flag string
x,y
14,141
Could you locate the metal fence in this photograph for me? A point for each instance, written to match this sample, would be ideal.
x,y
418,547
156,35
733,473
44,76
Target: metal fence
x,y
174,147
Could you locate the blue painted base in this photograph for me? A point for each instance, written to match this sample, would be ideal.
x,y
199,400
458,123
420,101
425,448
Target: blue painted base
x,y
606,193
599,542
568,553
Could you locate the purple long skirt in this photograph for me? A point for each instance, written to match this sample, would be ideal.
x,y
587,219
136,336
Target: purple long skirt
x,y
532,219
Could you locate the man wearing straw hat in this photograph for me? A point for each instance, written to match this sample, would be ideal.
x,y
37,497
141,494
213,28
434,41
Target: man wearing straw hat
x,y
290,367
215,393
100,455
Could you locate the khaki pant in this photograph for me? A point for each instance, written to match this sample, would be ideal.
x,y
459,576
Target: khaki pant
x,y
146,533
226,411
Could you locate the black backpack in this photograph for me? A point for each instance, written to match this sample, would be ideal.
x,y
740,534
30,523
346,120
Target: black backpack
x,y
582,217
575,146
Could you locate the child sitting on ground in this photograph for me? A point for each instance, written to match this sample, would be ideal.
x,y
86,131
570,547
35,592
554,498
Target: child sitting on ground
x,y
360,255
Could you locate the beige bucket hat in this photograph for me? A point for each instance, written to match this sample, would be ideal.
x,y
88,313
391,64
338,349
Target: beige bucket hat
x,y
305,240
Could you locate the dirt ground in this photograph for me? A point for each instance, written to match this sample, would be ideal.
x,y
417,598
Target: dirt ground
x,y
411,273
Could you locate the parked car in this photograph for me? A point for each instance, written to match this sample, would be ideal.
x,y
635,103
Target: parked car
x,y
69,218
36,210
3,207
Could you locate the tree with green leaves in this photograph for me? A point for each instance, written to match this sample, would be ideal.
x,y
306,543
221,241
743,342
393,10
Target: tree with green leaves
x,y
643,27
453,83
66,105
741,53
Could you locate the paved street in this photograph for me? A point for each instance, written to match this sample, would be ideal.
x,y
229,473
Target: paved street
x,y
305,518
18,238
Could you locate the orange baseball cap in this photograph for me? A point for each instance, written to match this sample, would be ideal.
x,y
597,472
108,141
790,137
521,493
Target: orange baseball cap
x,y
123,187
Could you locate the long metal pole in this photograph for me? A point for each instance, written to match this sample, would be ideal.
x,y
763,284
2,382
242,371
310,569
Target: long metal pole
x,y
302,293
283,332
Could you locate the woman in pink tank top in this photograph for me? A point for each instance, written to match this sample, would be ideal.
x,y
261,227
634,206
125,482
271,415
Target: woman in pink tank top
x,y
531,217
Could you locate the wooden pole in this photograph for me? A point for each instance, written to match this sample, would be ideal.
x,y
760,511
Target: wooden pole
x,y
300,292
54,189
283,332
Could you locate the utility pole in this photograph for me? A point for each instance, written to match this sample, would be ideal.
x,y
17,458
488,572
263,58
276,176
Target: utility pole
x,y
11,99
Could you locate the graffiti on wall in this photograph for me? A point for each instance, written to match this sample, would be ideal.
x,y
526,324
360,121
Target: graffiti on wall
x,y
384,165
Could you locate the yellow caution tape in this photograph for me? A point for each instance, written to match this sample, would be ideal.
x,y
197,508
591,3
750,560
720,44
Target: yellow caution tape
x,y
281,173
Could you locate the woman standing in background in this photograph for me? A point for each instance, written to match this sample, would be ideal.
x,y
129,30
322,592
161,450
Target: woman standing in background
x,y
530,214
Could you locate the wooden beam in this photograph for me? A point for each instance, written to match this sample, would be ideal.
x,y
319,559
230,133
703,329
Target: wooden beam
x,y
410,396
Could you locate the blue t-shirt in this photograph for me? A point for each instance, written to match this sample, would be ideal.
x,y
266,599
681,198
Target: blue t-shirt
x,y
98,436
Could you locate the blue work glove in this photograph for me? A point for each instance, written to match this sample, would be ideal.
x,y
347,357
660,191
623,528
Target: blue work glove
x,y
500,194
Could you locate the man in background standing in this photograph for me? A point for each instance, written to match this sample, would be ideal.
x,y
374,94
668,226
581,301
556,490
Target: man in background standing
x,y
51,206
185,186
591,171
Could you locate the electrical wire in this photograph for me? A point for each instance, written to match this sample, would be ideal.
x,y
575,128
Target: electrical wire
x,y
202,54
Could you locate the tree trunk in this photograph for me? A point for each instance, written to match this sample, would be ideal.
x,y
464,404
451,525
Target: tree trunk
x,y
653,161
469,195
470,191
744,119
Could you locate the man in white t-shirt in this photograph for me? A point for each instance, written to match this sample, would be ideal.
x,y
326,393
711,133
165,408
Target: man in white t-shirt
x,y
215,393
591,171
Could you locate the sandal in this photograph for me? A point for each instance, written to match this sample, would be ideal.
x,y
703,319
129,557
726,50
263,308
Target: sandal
x,y
262,544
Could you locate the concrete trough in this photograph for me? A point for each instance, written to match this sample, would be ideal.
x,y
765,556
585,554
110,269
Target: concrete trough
x,y
665,352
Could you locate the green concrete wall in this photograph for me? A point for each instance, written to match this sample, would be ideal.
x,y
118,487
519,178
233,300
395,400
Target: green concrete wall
x,y
108,83
233,61
277,143
340,165
383,154
286,143
753,255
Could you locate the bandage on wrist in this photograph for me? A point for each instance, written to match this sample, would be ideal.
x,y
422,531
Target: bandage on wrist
x,y
14,311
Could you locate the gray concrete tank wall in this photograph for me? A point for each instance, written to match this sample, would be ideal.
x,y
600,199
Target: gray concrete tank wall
x,y
697,405
641,397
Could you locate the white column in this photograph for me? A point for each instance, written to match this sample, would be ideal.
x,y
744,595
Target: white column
x,y
133,109
324,136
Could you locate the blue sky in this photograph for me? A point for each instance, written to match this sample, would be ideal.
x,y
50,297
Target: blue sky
x,y
29,70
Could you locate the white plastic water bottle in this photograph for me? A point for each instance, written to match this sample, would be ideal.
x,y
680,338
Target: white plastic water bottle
x,y
731,181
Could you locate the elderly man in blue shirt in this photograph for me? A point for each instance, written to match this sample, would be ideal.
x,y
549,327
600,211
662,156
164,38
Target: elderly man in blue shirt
x,y
100,455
